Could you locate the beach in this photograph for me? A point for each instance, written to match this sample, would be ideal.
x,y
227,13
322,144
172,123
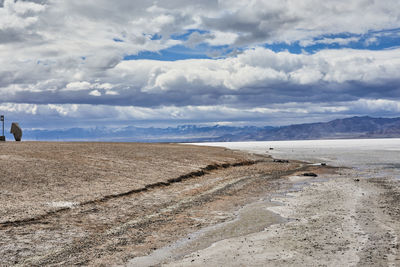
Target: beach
x,y
239,204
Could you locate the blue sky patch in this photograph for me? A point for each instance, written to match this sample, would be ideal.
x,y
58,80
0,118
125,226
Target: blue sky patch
x,y
174,53
186,35
156,37
180,52
376,40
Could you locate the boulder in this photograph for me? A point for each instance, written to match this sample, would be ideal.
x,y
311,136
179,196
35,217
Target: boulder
x,y
16,131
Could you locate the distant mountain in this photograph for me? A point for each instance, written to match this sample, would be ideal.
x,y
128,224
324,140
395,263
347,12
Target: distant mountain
x,y
355,127
183,133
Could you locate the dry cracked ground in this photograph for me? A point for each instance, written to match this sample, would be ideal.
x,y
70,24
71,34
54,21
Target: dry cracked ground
x,y
102,204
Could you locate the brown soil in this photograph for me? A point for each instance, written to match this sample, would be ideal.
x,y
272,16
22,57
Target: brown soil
x,y
106,203
33,174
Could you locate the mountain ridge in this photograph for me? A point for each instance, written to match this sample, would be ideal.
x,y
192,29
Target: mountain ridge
x,y
354,127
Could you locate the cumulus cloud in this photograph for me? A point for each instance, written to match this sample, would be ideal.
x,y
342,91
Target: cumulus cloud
x,y
64,115
256,77
67,53
95,93
78,86
288,21
338,40
216,38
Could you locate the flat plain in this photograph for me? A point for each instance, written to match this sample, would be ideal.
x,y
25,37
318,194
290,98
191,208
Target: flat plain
x,y
108,203
134,204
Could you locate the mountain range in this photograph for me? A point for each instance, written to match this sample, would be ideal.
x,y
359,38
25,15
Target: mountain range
x,y
354,127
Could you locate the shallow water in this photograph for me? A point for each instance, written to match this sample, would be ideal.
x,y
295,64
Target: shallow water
x,y
371,157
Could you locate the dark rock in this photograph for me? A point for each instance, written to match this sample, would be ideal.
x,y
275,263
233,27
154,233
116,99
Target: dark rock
x,y
310,174
281,160
356,180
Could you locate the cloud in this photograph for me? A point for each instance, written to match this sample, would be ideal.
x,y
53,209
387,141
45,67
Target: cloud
x,y
256,77
77,86
65,53
329,41
95,93
289,21
215,38
17,21
72,115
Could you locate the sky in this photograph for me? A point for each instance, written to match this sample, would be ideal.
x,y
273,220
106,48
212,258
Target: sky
x,y
162,63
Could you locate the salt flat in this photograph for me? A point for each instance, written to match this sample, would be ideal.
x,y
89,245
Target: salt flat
x,y
380,157
347,218
342,152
